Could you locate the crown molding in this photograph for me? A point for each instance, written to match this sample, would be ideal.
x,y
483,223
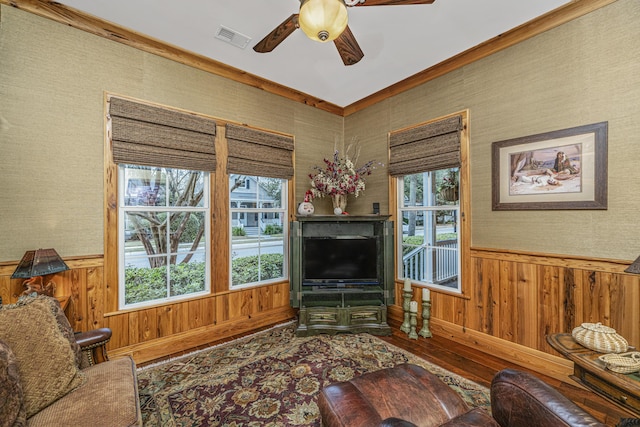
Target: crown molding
x,y
85,22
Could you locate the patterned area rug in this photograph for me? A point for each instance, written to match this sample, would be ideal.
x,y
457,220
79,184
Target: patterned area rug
x,y
271,378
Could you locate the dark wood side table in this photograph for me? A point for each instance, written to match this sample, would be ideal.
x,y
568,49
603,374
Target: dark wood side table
x,y
621,389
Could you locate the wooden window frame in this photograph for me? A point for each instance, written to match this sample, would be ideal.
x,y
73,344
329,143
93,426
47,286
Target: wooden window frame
x,y
219,226
464,205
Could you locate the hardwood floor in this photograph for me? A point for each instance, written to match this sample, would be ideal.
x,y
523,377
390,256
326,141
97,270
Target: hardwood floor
x,y
479,367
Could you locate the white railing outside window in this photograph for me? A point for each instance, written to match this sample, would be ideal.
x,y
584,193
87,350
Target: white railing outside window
x,y
428,236
443,268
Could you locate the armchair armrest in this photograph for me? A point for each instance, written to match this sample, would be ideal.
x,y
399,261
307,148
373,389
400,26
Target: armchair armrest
x,y
521,399
93,344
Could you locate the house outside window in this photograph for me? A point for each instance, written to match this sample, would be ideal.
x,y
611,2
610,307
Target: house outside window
x,y
164,220
258,230
429,211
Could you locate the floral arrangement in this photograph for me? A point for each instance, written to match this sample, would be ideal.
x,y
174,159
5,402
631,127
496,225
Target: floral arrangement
x,y
450,180
339,175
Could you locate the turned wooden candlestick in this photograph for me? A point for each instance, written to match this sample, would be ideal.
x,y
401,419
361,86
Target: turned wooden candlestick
x,y
406,300
413,321
426,315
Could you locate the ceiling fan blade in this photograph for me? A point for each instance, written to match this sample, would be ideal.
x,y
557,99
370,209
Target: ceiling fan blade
x,y
277,36
348,47
393,2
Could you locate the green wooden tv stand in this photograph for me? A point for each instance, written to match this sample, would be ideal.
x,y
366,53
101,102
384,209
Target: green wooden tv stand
x,y
334,307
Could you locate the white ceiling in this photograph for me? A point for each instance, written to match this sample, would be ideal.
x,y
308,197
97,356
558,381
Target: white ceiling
x,y
397,41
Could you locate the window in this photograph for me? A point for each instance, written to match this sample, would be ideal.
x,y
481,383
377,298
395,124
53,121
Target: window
x,y
429,164
260,165
157,245
258,229
430,216
159,184
163,246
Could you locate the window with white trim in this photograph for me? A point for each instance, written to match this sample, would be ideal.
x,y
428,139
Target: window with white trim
x,y
429,163
429,212
164,158
164,223
258,230
260,165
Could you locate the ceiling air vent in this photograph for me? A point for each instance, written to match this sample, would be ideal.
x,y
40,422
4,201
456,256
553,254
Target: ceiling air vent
x,y
233,37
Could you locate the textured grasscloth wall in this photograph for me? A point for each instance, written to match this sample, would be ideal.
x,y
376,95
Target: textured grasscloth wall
x,y
51,127
52,84
583,72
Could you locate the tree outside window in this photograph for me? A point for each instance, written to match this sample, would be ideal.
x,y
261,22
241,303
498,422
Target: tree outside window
x,y
163,214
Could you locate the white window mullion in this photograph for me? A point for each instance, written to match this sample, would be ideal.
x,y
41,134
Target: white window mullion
x,y
424,260
134,294
248,207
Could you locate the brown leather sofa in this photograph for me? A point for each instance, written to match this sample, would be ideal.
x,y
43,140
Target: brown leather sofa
x,y
409,396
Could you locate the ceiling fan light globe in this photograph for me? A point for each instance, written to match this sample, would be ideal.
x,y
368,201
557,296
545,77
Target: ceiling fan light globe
x,y
323,20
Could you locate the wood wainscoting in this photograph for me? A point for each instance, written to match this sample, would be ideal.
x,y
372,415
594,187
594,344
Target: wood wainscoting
x,y
150,333
514,299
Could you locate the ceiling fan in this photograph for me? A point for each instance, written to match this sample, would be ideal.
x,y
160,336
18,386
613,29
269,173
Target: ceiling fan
x,y
324,21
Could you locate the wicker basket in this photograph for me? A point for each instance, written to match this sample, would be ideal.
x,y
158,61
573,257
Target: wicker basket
x,y
600,338
624,363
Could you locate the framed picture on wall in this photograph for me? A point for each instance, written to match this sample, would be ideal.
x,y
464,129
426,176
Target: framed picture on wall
x,y
564,169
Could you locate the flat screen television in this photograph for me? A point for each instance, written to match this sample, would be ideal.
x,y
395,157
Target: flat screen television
x,y
340,261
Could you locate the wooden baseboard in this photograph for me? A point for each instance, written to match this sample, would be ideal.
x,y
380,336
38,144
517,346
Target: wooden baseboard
x,y
539,361
155,349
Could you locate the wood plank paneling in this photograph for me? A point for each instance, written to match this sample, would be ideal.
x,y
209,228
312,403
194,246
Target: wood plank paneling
x,y
151,330
578,297
187,341
222,308
485,276
550,295
513,300
527,306
5,289
119,327
240,304
627,314
78,285
261,298
537,295
514,297
201,313
507,306
147,325
165,316
95,299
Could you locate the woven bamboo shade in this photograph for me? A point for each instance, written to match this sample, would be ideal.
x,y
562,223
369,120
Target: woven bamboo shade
x,y
425,148
259,153
154,136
